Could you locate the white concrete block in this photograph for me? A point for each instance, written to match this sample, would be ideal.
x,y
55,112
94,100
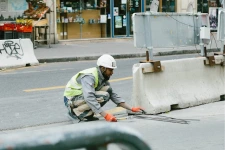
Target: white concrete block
x,y
17,53
184,83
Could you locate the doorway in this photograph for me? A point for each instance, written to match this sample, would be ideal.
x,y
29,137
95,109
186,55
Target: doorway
x,y
122,16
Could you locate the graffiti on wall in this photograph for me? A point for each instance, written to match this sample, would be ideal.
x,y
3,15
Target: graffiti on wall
x,y
11,49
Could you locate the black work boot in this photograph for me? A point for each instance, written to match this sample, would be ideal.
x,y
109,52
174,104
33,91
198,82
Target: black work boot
x,y
91,118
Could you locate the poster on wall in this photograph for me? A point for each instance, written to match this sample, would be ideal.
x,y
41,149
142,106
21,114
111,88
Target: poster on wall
x,y
124,22
123,1
109,16
213,18
3,5
17,6
123,7
131,3
11,9
118,21
116,11
103,19
102,3
136,3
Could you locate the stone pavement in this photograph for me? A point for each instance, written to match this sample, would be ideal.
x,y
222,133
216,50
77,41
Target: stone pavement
x,y
91,49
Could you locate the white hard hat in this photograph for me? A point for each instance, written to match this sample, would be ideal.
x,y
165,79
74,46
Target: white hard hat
x,y
107,61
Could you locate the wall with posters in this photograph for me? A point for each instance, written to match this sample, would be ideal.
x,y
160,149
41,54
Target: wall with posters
x,y
204,6
11,9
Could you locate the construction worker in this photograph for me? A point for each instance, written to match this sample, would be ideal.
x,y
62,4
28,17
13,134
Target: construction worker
x,y
89,90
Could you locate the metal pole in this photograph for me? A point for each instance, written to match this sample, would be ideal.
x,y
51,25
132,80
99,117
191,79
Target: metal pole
x,y
54,21
202,48
147,56
127,19
205,52
50,23
80,16
112,17
222,46
224,49
150,49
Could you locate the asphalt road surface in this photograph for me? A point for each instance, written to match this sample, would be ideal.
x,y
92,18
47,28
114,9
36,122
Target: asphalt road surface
x,y
32,99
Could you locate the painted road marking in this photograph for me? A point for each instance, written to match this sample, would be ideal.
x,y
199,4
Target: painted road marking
x,y
12,73
61,87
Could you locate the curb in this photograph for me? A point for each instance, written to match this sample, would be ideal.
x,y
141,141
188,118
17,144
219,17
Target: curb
x,y
120,56
95,40
66,59
179,52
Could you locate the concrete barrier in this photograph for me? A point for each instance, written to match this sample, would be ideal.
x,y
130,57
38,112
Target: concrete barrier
x,y
17,53
182,83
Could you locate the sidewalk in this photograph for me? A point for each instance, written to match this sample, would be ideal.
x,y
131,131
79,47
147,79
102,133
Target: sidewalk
x,y
91,49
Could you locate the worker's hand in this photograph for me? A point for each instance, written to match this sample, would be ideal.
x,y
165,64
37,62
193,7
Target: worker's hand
x,y
110,118
136,109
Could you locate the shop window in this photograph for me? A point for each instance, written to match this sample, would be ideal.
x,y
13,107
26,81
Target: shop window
x,y
81,19
214,3
167,5
148,4
76,5
164,5
210,7
203,5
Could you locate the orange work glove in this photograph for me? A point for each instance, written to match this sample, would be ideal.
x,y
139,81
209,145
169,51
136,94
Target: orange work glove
x,y
110,118
136,109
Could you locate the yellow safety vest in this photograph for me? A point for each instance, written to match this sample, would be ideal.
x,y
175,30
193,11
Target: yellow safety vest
x,y
73,88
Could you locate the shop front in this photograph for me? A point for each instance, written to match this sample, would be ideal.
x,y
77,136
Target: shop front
x,y
84,19
122,11
164,5
27,19
203,6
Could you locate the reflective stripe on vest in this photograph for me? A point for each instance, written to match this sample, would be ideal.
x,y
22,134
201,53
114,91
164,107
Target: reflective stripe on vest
x,y
73,88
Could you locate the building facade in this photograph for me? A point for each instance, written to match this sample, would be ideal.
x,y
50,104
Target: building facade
x,y
78,19
85,19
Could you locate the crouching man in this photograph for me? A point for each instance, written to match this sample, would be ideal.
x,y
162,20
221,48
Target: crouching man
x,y
89,90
